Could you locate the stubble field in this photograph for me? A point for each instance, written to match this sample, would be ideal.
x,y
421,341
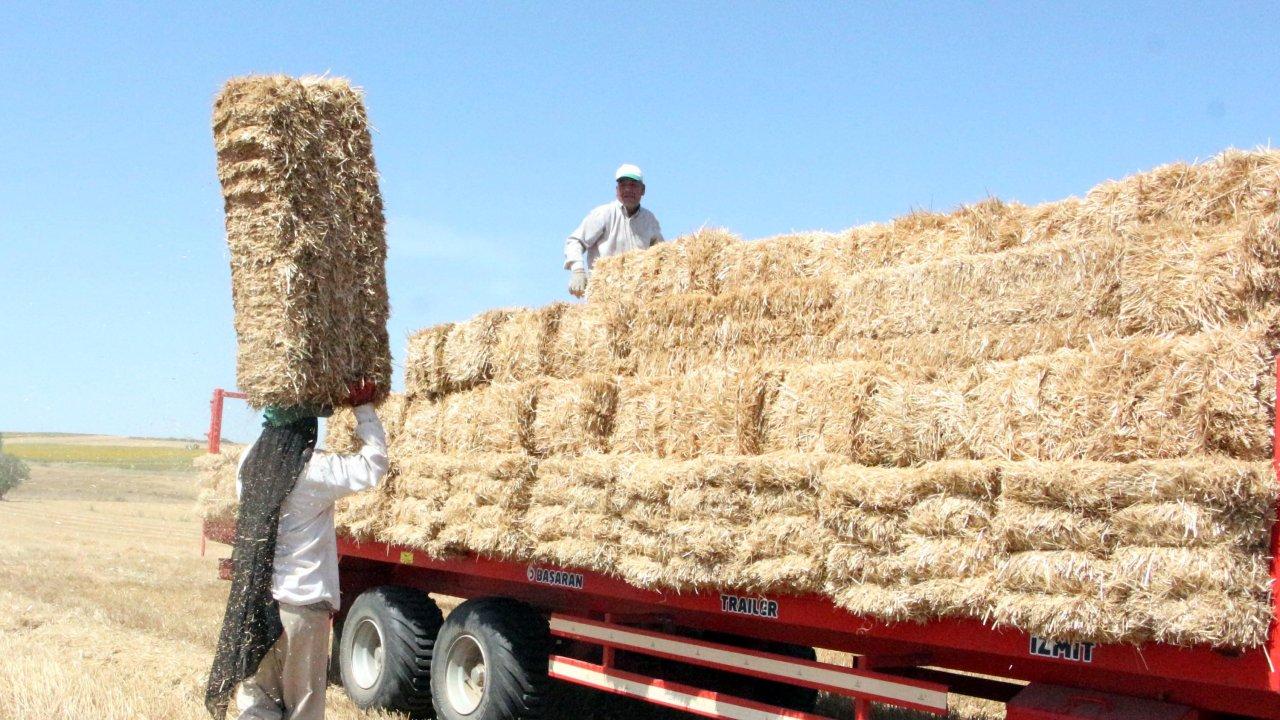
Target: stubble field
x,y
108,611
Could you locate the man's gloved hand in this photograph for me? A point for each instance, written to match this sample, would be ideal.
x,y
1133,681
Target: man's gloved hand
x,y
362,392
280,415
578,283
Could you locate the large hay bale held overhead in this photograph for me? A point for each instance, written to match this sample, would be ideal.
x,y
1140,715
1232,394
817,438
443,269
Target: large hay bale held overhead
x,y
1055,418
305,231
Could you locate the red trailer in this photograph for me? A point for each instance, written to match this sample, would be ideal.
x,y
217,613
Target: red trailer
x,y
726,654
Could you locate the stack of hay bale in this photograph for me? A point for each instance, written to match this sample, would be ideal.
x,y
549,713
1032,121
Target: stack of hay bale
x,y
1056,418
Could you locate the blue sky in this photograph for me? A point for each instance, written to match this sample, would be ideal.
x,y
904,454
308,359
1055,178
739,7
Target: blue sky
x,y
499,126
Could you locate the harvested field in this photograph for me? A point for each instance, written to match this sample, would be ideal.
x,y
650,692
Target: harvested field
x,y
114,614
306,234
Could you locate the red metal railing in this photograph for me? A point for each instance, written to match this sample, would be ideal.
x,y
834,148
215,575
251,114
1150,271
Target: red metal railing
x,y
215,416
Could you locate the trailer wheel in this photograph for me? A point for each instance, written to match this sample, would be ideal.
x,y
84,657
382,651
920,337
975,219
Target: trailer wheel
x,y
385,655
491,662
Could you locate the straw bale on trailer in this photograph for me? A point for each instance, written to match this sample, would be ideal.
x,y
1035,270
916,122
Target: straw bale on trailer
x,y
686,264
523,350
572,417
424,369
909,544
1139,397
305,231
451,504
592,339
468,349
493,419
820,408
1036,284
777,322
713,411
986,227
573,519
799,256
968,346
738,522
1233,186
1182,278
216,486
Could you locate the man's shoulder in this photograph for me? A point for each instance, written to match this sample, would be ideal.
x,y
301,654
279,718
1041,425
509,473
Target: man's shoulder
x,y
604,210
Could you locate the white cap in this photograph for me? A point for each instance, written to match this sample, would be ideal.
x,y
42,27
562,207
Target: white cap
x,y
629,171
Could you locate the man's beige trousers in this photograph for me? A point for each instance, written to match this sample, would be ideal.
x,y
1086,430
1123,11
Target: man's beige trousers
x,y
292,678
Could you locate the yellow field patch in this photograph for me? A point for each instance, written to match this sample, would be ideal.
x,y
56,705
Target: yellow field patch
x,y
120,456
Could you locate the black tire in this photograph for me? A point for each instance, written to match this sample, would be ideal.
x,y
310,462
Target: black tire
x,y
404,622
513,642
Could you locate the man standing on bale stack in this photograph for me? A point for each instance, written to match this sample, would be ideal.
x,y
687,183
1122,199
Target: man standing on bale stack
x,y
275,635
611,229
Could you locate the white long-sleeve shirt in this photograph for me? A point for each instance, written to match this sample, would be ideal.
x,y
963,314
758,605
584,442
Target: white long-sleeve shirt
x,y
306,561
606,231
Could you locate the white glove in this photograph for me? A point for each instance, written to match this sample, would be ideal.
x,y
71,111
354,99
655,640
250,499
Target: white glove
x,y
578,283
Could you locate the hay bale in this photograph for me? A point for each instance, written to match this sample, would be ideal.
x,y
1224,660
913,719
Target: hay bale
x,y
918,541
1234,186
799,256
821,408
1042,283
305,231
468,349
965,347
711,534
340,428
985,227
592,339
909,421
686,264
216,484
707,412
523,349
494,419
573,417
778,322
1124,399
424,369
574,515
449,504
1184,278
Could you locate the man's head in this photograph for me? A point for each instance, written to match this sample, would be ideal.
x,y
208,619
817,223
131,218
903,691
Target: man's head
x,y
630,186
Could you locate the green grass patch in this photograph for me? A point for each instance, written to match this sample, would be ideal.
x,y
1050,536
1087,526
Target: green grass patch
x,y
120,456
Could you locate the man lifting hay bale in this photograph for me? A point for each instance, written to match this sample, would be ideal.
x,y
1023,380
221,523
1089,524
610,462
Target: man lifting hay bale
x,y
275,634
306,233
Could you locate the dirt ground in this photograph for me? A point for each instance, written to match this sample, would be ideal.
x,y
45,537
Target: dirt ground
x,y
108,611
